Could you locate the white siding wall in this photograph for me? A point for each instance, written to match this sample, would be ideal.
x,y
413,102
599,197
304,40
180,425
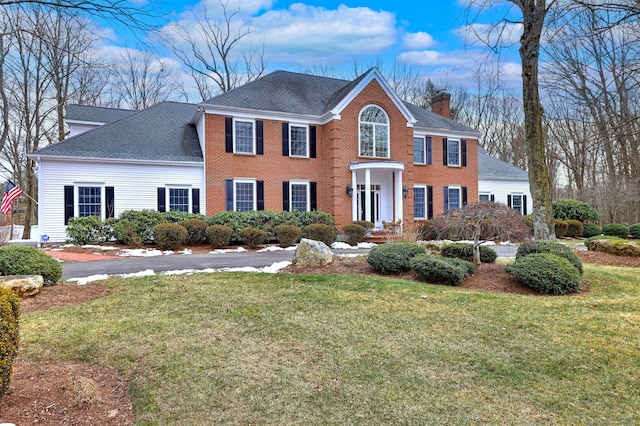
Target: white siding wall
x,y
77,128
501,188
135,187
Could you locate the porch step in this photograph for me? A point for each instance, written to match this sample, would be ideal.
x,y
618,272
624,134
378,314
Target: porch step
x,y
380,236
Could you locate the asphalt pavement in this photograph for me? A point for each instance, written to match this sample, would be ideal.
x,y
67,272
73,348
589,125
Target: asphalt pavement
x,y
176,262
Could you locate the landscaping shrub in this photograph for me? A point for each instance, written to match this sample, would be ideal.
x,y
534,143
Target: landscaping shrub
x,y
177,216
287,235
144,221
9,335
634,231
368,226
576,210
252,237
561,228
545,246
616,230
393,258
195,231
546,273
169,236
465,251
575,228
468,267
355,233
125,232
23,260
438,270
426,231
87,230
590,230
218,235
320,232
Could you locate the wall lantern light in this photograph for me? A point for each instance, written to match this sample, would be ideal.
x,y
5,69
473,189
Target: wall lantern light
x,y
405,191
349,191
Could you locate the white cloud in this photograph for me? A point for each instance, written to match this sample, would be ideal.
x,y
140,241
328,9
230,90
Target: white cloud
x,y
244,7
416,41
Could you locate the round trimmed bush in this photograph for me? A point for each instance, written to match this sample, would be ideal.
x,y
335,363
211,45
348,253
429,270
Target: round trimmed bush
x,y
561,228
465,251
169,236
590,230
434,269
368,226
287,235
355,233
252,237
125,231
574,209
196,231
468,267
546,273
219,235
393,258
320,232
575,228
634,231
616,230
9,335
22,260
545,246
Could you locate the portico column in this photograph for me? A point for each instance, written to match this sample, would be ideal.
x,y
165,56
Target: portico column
x,y
367,194
398,196
354,196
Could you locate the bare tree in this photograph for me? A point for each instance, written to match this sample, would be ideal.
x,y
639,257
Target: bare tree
x,y
216,51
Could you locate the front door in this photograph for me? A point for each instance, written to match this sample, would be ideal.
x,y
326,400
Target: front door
x,y
375,204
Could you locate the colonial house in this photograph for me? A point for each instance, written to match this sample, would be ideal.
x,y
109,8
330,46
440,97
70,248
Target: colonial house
x,y
286,141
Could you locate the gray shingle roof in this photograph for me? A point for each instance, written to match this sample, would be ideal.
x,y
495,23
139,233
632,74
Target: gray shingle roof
x,y
431,120
492,168
162,133
95,114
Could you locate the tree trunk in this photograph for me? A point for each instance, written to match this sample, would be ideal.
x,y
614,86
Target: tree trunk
x,y
533,19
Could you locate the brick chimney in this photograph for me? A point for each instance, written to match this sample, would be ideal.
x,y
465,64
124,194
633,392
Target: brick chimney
x,y
440,104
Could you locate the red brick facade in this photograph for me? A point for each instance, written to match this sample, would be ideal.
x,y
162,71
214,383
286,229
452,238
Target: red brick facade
x,y
337,145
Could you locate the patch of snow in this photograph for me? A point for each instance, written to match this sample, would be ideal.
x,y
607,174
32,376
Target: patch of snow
x,y
236,250
187,251
277,248
90,278
140,253
93,246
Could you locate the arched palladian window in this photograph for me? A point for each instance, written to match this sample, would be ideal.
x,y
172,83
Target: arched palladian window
x,y
374,132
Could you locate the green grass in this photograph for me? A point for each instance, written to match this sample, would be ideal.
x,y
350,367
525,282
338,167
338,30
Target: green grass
x,y
238,348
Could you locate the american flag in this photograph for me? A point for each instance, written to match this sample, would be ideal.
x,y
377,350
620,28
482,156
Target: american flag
x,y
11,192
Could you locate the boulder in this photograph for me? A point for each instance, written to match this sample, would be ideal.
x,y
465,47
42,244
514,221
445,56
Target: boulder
x,y
23,285
312,253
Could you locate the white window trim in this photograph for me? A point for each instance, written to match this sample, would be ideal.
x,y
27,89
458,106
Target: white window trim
x,y
76,197
449,188
168,196
308,186
255,192
459,164
521,195
426,202
253,136
424,149
374,135
306,127
488,194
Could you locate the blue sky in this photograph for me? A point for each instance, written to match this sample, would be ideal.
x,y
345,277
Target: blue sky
x,y
428,36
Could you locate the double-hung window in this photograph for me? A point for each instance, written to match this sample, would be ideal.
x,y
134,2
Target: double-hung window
x,y
516,202
419,202
299,193
453,152
299,141
244,195
90,201
374,132
179,199
244,137
484,197
422,150
453,198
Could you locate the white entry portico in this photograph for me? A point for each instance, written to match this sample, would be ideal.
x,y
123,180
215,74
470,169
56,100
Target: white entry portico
x,y
377,191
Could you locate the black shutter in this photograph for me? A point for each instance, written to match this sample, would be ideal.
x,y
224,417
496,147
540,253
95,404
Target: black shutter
x,y
68,204
446,198
464,196
524,205
444,152
162,200
260,195
259,137
463,148
285,139
509,200
195,200
312,141
285,196
109,198
228,134
229,194
493,198
429,202
429,156
313,189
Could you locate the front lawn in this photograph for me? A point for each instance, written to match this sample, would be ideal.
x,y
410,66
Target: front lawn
x,y
242,348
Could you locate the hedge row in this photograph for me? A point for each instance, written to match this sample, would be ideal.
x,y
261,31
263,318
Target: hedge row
x,y
9,335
